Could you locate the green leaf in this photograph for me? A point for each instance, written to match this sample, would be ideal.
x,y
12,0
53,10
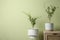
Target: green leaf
x,y
31,19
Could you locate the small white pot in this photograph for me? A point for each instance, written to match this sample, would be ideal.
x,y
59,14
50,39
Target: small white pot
x,y
32,33
49,26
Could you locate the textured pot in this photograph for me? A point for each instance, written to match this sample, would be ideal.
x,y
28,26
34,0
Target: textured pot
x,y
49,26
32,33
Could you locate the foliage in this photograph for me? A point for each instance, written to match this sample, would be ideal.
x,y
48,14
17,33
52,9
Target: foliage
x,y
31,19
50,11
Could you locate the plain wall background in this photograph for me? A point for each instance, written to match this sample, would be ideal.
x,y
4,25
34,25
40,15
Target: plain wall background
x,y
14,23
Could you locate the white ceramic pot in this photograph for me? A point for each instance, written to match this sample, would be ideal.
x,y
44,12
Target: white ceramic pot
x,y
32,33
49,26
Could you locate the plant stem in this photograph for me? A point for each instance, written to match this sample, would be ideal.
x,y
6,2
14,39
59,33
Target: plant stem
x,y
32,26
49,18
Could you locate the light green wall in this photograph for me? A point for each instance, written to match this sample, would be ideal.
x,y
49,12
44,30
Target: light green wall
x,y
14,23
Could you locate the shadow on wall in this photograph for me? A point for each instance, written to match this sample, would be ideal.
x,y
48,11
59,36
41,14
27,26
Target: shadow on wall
x,y
40,36
57,28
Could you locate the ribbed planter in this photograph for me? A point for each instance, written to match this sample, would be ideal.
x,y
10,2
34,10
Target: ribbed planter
x,y
32,33
49,26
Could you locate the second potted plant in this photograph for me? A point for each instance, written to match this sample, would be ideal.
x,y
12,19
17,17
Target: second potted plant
x,y
50,11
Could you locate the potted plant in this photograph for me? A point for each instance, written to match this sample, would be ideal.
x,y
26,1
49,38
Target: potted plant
x,y
50,11
32,32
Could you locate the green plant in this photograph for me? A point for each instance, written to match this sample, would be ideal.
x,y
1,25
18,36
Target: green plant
x,y
50,11
31,19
